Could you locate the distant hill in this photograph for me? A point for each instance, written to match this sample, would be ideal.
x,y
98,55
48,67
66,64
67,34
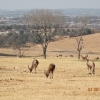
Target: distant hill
x,y
66,12
81,12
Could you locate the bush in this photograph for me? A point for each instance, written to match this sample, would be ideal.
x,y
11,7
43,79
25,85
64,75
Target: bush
x,y
83,31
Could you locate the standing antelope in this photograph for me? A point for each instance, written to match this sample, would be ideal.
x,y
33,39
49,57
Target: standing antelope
x,y
50,70
91,66
33,66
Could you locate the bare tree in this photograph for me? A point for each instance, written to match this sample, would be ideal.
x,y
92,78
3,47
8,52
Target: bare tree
x,y
45,25
79,46
19,50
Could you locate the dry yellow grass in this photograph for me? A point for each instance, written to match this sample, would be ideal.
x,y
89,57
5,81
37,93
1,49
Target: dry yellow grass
x,y
71,81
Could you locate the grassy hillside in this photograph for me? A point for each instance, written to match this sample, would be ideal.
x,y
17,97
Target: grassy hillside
x,y
65,46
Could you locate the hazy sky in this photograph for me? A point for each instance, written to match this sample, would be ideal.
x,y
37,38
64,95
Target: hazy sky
x,y
48,4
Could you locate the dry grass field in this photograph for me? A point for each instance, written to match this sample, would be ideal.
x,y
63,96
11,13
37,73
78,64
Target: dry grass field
x,y
70,82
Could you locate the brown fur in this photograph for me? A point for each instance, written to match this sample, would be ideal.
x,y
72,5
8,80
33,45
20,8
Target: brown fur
x,y
97,57
91,66
34,65
60,55
71,55
84,57
50,70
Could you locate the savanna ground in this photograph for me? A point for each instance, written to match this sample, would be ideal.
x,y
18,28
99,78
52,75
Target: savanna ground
x,y
70,82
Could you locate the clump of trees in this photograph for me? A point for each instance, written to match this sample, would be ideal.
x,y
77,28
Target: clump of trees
x,y
16,41
77,32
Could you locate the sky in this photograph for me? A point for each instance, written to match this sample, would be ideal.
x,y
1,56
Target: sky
x,y
48,4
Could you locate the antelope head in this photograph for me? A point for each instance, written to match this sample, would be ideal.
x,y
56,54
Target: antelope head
x,y
46,73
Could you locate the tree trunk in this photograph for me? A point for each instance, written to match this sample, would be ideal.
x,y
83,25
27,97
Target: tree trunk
x,y
44,52
19,54
78,54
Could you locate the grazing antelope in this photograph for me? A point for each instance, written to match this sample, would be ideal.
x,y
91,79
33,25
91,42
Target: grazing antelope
x,y
97,57
71,55
84,57
90,66
33,66
50,70
60,55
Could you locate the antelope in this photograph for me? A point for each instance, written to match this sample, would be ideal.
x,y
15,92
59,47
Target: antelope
x,y
33,66
90,66
97,57
50,70
60,55
71,55
84,57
